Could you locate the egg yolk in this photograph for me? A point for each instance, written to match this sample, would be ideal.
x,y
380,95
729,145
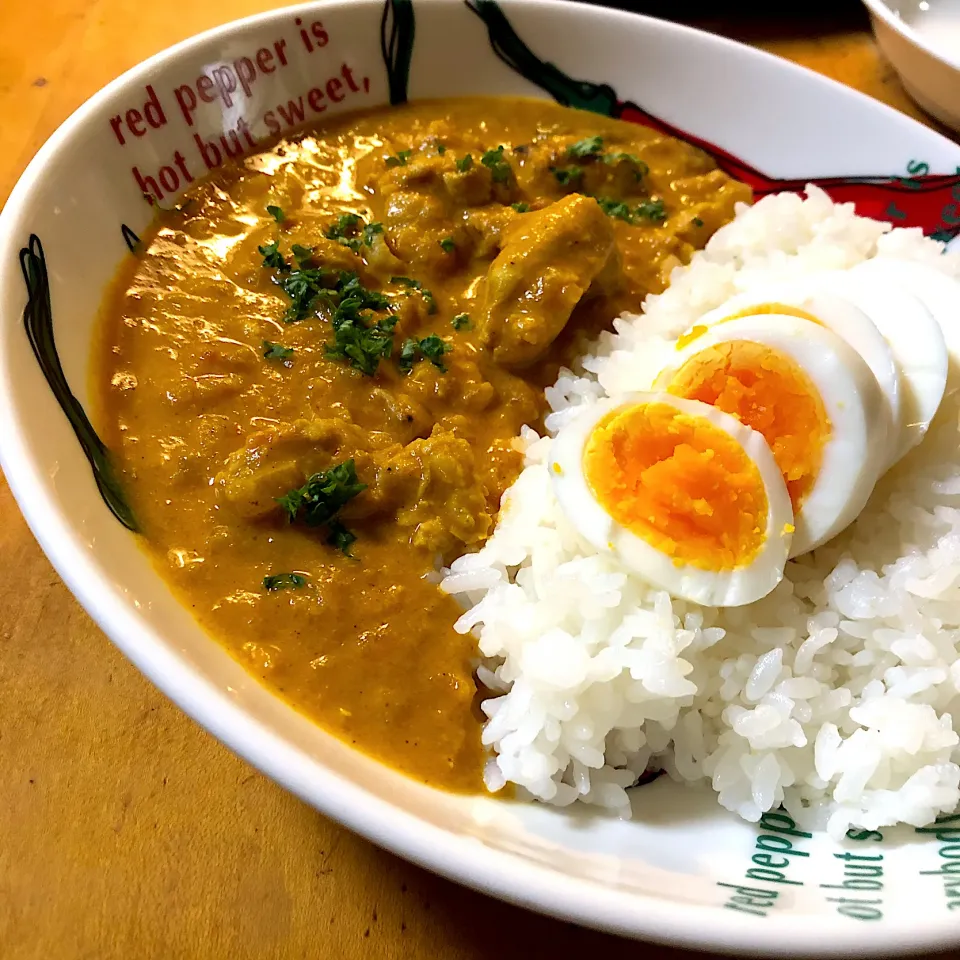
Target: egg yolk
x,y
680,483
783,309
771,393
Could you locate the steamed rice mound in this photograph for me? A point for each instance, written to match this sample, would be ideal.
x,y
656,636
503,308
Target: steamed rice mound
x,y
835,695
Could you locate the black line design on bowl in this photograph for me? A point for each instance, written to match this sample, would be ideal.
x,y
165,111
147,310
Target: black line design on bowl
x,y
38,323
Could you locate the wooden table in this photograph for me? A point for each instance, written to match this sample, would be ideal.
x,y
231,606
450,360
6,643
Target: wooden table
x,y
126,831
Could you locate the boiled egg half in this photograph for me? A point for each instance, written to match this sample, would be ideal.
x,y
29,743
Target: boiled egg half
x,y
810,395
891,328
685,495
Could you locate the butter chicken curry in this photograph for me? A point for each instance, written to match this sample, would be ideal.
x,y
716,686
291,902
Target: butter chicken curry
x,y
314,367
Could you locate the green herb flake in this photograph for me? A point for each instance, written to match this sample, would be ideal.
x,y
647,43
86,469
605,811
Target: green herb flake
x,y
357,341
521,207
400,160
465,163
409,354
433,348
351,231
461,321
498,165
697,222
362,345
650,210
590,147
284,581
347,230
430,348
304,287
370,231
640,169
421,289
276,351
616,208
441,149
319,501
341,538
301,253
272,257
567,175
448,245
276,213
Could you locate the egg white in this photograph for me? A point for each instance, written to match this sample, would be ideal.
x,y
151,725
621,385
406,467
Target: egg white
x,y
857,449
915,338
939,293
714,588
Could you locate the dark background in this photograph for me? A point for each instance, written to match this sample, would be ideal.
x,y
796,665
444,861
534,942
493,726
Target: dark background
x,y
812,18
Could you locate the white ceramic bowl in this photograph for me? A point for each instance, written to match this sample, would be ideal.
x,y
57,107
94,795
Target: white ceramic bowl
x,y
683,870
925,69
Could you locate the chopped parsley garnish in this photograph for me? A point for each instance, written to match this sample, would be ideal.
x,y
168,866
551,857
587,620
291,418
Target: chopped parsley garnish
x,y
433,348
461,321
441,149
428,297
276,213
400,160
284,581
276,351
356,341
697,222
640,169
448,245
370,231
521,207
351,231
340,537
589,150
409,354
360,344
272,257
345,230
318,502
499,167
567,175
590,147
301,253
521,148
430,348
465,163
651,210
303,286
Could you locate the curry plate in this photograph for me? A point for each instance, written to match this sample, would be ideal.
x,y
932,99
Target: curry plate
x,y
682,870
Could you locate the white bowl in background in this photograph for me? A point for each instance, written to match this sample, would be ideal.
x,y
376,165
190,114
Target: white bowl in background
x,y
682,870
921,38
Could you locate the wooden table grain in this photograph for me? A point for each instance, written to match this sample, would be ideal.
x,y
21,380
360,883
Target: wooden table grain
x,y
126,831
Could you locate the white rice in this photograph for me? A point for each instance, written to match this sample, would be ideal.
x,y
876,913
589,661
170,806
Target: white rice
x,y
834,696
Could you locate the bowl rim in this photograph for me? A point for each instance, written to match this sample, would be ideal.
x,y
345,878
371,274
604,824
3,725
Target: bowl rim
x,y
883,12
500,873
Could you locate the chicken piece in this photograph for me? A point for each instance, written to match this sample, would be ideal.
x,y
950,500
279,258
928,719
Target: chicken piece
x,y
469,188
397,412
381,257
281,457
432,486
549,261
417,212
487,227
